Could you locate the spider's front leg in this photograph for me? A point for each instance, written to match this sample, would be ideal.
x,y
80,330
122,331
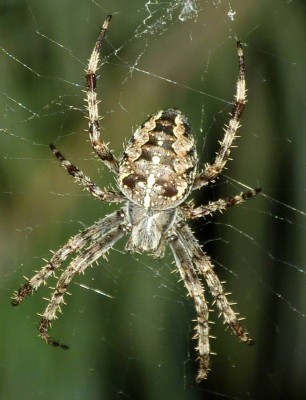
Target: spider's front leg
x,y
86,258
196,292
205,267
75,244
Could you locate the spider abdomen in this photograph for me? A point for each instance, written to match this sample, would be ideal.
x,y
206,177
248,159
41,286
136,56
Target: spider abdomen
x,y
158,166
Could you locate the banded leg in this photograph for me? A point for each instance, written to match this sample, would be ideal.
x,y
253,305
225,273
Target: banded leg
x,y
77,266
99,146
83,180
205,267
76,243
211,171
189,212
196,292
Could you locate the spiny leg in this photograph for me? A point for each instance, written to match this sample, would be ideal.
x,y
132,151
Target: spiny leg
x,y
189,212
77,266
83,180
211,171
206,268
74,244
99,146
196,292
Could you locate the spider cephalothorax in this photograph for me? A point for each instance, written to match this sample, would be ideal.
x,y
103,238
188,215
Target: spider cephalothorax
x,y
156,173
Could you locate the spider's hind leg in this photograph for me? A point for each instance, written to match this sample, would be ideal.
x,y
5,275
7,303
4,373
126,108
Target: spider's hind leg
x,y
211,171
99,146
189,212
83,180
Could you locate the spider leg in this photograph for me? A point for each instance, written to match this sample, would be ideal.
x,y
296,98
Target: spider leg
x,y
205,267
74,244
99,146
189,212
83,180
211,171
77,266
196,291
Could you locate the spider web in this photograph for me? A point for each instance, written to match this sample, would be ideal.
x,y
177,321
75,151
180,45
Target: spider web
x,y
128,321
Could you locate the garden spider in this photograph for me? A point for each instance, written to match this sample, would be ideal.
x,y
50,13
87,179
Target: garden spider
x,y
156,173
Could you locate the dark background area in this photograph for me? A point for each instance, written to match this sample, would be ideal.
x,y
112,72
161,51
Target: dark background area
x,y
138,344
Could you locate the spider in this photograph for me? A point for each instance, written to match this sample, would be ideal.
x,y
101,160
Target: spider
x,y
155,174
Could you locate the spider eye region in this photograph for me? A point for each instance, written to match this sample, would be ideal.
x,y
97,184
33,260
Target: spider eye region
x,y
158,166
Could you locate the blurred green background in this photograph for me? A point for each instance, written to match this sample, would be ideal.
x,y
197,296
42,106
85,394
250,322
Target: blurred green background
x,y
138,344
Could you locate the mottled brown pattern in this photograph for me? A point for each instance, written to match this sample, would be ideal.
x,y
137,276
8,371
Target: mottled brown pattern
x,y
166,136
